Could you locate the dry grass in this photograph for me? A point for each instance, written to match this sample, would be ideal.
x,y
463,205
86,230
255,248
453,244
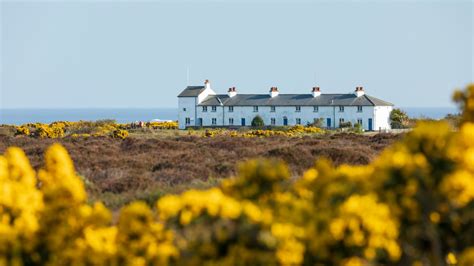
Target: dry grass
x,y
145,166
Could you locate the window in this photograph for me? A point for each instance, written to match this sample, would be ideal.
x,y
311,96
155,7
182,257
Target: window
x,y
214,108
184,109
231,109
187,120
214,121
273,121
341,120
298,121
359,121
231,121
359,109
255,108
204,108
272,109
315,109
341,109
298,108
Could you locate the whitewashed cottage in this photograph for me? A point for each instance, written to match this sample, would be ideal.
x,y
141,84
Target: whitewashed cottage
x,y
200,106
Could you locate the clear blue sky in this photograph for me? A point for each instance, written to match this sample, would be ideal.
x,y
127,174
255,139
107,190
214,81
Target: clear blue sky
x,y
101,54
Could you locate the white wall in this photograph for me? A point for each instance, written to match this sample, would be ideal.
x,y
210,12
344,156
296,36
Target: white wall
x,y
207,116
188,103
204,94
350,114
307,115
379,114
382,117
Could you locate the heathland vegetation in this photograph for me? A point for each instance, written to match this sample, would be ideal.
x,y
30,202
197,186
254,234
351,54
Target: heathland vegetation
x,y
411,205
148,164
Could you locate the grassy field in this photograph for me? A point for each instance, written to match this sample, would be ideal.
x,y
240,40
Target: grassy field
x,y
150,163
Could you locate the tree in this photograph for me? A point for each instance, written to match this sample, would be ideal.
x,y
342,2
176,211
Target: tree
x,y
257,121
398,118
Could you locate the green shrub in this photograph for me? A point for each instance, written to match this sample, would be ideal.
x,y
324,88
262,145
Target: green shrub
x,y
398,119
318,122
257,121
345,124
358,128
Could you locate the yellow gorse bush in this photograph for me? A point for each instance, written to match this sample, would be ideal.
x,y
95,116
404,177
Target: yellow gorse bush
x,y
85,129
162,125
119,134
293,131
414,205
22,130
45,219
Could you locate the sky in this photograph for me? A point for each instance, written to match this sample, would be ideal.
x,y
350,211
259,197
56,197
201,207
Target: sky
x,y
104,54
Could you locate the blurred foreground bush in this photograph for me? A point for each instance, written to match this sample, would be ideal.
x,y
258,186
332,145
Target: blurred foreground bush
x,y
411,206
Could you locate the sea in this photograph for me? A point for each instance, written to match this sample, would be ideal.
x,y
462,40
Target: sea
x,y
128,115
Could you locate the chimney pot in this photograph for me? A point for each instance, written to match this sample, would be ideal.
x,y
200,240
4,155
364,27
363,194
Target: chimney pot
x,y
273,91
316,91
232,92
207,84
359,91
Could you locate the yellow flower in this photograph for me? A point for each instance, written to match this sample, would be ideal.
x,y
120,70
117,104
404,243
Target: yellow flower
x,y
451,259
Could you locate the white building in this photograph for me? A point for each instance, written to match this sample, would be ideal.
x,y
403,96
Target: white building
x,y
201,106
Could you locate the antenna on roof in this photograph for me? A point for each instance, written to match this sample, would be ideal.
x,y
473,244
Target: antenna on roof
x,y
187,76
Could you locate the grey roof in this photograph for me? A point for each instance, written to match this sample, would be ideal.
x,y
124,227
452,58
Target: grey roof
x,y
191,91
294,100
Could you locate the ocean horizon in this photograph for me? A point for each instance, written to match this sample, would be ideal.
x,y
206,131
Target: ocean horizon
x,y
18,116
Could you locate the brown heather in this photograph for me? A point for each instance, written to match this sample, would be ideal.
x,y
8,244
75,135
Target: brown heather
x,y
119,171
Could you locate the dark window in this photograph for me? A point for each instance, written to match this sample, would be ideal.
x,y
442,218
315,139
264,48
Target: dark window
x,y
341,120
184,109
359,109
187,120
231,121
298,121
214,121
273,121
359,121
341,109
315,109
231,109
214,108
272,108
255,108
204,108
298,108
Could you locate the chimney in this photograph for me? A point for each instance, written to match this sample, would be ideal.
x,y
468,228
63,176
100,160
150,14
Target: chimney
x,y
207,84
316,91
359,91
231,92
273,91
